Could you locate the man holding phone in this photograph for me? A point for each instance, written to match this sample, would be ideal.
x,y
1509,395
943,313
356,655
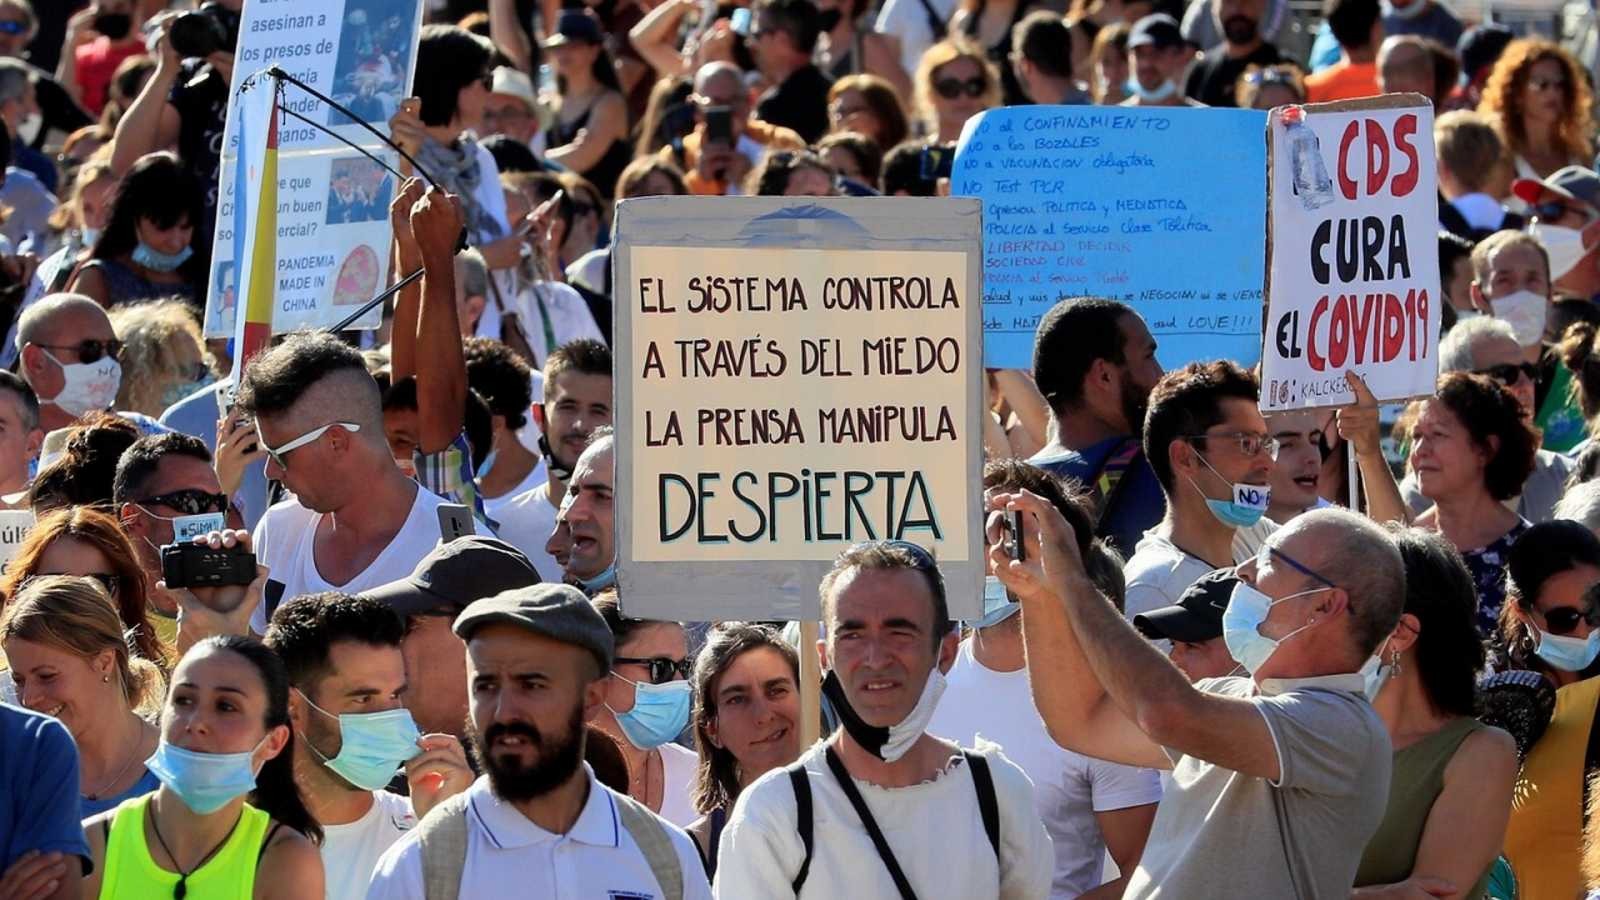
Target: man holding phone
x,y
726,143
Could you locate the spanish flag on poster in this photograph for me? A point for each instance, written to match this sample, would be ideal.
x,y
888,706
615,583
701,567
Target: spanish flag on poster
x,y
255,216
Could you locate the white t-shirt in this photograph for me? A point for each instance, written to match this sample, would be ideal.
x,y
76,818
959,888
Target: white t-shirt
x,y
525,522
933,827
1159,572
1068,787
559,305
536,476
908,21
679,767
286,534
350,852
509,856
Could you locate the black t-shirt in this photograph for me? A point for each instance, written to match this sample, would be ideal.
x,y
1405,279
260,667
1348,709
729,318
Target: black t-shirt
x,y
800,103
201,98
1212,79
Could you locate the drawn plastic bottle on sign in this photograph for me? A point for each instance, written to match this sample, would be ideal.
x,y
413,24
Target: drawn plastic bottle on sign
x,y
1311,182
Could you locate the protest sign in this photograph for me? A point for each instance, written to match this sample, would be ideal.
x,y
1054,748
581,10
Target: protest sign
x,y
1158,208
14,527
332,207
795,376
1353,254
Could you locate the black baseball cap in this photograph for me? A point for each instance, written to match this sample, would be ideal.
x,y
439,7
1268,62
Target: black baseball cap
x,y
1197,617
557,611
454,575
1157,30
1480,47
576,25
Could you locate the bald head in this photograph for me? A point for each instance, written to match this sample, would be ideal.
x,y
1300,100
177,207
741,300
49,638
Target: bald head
x,y
1405,64
716,73
1359,556
63,319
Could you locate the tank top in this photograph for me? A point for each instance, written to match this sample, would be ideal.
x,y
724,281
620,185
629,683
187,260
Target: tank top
x,y
603,174
1544,839
1418,778
230,874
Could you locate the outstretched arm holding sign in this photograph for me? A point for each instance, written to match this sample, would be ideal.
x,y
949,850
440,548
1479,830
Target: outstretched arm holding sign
x,y
1358,425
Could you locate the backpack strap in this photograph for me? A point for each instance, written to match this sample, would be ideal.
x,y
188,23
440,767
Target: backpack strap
x,y
651,836
803,823
442,835
988,806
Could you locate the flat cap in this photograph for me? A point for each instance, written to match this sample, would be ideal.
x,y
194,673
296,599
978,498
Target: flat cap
x,y
560,612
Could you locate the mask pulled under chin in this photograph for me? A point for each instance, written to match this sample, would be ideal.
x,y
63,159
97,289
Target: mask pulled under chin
x,y
892,742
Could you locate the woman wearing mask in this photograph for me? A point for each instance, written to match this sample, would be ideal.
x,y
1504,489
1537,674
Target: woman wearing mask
x,y
80,221
746,714
1450,794
1471,450
1549,616
954,82
1539,99
647,706
163,358
146,251
228,807
70,660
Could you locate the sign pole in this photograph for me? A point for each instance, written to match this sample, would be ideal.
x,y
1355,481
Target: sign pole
x,y
810,686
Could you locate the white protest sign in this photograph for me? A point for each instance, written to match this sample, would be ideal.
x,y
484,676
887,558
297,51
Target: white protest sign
x,y
14,527
794,377
332,212
1353,255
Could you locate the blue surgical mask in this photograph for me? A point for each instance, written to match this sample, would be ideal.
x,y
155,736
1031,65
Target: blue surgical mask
x,y
1569,654
488,463
205,782
1241,625
997,604
90,236
1164,92
1373,676
1248,505
373,745
156,261
177,392
660,713
598,583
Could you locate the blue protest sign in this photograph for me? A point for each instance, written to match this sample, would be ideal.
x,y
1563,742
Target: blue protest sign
x,y
1164,209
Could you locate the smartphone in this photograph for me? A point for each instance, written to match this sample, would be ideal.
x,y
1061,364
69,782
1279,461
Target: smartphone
x,y
719,125
455,521
938,160
1013,536
740,22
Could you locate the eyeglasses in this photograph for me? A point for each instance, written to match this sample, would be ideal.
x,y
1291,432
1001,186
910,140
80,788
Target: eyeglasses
x,y
189,501
1271,552
661,668
1249,443
1508,373
952,88
91,350
1545,84
111,583
845,112
276,454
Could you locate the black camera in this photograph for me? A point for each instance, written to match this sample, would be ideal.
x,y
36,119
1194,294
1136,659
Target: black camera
x,y
204,31
197,565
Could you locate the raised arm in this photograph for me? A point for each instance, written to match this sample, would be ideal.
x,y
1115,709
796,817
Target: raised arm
x,y
442,390
655,37
151,123
408,259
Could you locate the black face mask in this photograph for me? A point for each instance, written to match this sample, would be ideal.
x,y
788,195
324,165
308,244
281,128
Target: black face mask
x,y
870,737
556,470
113,25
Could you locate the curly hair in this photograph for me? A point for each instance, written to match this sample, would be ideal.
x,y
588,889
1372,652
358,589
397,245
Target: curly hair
x,y
1486,409
152,335
1502,97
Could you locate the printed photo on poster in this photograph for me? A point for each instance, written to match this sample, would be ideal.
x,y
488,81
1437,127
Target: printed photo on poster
x,y
374,50
359,190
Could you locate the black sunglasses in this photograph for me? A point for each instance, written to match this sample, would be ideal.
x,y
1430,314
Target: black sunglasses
x,y
1554,209
189,501
661,668
951,88
91,350
1564,619
1506,373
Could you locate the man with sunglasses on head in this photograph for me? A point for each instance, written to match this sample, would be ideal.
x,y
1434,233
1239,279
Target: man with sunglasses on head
x,y
67,352
166,492
1488,346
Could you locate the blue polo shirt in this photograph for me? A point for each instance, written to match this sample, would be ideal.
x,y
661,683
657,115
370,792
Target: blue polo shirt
x,y
38,788
1137,504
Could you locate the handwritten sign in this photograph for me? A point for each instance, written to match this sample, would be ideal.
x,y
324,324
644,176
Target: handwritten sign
x,y
333,202
14,527
1159,208
785,399
1353,281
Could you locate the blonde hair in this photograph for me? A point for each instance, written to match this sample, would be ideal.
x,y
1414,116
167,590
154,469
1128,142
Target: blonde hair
x,y
942,54
150,333
67,215
77,615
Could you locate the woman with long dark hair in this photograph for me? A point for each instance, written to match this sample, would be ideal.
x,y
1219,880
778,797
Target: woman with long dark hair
x,y
746,721
147,249
228,813
1550,605
590,131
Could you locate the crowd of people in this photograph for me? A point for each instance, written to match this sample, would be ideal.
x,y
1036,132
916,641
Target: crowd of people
x,y
1210,665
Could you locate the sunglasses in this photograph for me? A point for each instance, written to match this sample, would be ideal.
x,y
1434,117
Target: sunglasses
x,y
91,350
111,583
1507,373
13,27
1545,84
277,454
952,88
189,501
1554,209
662,669
1270,76
1564,619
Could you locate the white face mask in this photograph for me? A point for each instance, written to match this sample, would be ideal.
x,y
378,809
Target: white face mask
x,y
28,128
87,387
1164,92
1524,311
1563,245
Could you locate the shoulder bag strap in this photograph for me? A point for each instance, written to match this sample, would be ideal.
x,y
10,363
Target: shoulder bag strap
x,y
871,824
988,805
802,804
442,835
653,841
